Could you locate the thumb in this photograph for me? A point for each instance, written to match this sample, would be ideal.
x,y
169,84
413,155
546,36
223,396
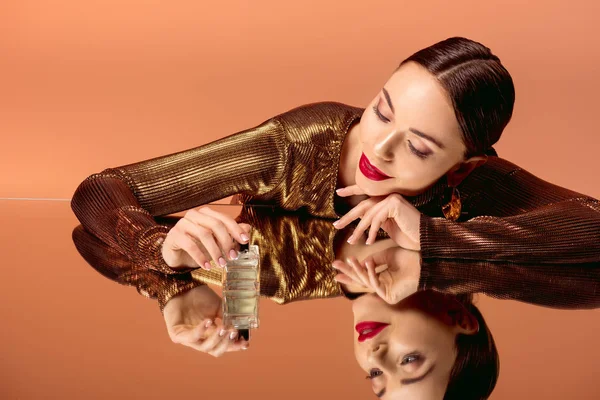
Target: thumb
x,y
353,190
245,227
188,333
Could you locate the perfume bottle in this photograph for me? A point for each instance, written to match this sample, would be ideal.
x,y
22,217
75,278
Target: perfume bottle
x,y
241,291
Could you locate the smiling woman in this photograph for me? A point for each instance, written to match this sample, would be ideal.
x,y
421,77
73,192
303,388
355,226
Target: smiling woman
x,y
428,346
398,165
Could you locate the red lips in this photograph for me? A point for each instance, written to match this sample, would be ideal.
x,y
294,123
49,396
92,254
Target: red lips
x,y
369,329
369,170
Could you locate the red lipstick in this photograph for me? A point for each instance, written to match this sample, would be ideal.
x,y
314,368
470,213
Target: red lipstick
x,y
368,329
369,170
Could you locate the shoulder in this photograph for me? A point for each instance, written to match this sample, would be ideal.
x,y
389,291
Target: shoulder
x,y
507,176
312,119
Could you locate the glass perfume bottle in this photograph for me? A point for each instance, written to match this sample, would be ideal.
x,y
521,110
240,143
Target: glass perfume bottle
x,y
241,291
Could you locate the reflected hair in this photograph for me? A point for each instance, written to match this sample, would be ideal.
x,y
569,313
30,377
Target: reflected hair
x,y
477,365
480,88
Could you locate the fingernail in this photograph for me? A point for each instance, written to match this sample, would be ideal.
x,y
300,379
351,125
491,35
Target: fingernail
x,y
207,265
244,347
349,240
222,261
336,222
339,190
222,332
245,237
232,335
208,323
233,254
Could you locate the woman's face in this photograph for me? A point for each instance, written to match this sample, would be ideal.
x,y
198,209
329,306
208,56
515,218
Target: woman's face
x,y
410,133
414,351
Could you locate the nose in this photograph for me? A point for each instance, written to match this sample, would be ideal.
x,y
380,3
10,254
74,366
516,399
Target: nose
x,y
376,351
385,144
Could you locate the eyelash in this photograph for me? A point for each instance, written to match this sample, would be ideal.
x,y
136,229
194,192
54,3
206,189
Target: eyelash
x,y
380,115
412,148
416,152
375,373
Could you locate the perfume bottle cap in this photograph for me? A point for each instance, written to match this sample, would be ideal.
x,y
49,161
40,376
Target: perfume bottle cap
x,y
244,333
244,246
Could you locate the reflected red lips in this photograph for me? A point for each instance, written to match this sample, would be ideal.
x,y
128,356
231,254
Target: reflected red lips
x,y
368,329
369,170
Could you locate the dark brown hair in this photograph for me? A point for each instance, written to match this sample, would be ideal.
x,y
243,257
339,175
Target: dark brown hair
x,y
477,365
480,88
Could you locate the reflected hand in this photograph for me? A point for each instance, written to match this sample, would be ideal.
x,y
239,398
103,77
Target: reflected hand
x,y
392,273
190,319
203,234
392,213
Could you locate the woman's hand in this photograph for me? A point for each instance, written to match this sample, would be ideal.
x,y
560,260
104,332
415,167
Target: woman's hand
x,y
203,234
392,273
393,213
190,319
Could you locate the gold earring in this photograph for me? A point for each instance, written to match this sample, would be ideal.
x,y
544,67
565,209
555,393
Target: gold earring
x,y
452,209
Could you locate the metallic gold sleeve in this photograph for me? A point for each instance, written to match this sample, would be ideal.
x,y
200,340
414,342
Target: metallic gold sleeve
x,y
289,160
118,204
526,239
119,268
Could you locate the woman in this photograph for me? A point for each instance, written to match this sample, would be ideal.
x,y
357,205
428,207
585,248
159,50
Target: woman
x,y
418,161
451,351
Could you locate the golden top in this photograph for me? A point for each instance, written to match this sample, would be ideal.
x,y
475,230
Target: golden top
x,y
513,223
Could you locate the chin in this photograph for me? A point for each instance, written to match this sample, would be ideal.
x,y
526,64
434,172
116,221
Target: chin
x,y
369,187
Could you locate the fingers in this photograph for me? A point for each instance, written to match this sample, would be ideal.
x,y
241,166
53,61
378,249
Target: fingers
x,y
205,237
346,270
357,212
188,333
378,219
216,232
360,272
182,240
227,339
235,230
373,279
367,220
220,341
353,190
350,270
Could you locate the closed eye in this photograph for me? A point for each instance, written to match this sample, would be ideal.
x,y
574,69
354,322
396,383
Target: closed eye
x,y
417,152
380,115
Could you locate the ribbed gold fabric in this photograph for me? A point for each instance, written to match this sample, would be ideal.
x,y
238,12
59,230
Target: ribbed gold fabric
x,y
291,161
520,233
296,252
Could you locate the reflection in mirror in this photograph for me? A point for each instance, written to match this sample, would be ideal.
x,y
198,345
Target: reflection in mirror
x,y
421,343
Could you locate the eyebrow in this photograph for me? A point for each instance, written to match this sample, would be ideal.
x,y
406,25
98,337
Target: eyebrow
x,y
409,381
427,137
388,98
417,132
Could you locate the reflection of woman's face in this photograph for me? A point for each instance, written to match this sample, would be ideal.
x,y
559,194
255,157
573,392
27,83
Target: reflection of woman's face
x,y
412,355
410,133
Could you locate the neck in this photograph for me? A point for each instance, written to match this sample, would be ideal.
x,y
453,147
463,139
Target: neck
x,y
349,157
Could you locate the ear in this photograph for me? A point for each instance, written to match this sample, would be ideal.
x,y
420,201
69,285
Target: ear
x,y
465,322
459,172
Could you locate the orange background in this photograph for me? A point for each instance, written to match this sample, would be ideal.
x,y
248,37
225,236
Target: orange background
x,y
96,84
